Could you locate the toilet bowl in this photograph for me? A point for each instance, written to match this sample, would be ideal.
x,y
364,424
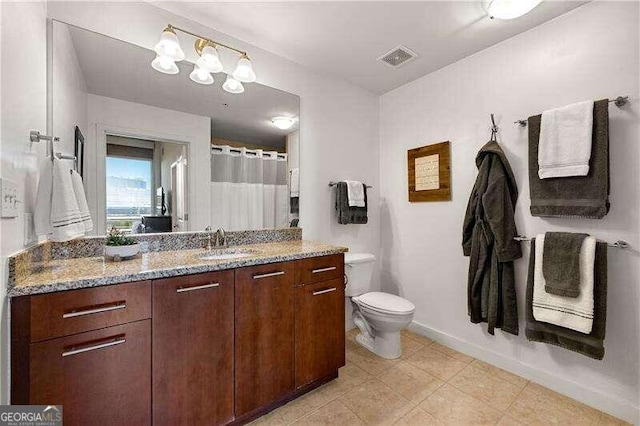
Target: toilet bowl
x,y
379,316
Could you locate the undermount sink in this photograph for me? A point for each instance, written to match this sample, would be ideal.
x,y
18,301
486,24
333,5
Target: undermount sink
x,y
226,254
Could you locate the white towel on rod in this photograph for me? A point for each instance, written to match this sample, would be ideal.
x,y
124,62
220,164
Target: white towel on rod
x,y
81,198
355,193
295,183
575,313
565,141
66,221
42,212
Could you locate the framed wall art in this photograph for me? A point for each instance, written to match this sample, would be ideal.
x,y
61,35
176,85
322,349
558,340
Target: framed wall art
x,y
429,174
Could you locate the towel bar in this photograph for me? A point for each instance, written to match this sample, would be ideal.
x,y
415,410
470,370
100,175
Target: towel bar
x,y
618,244
35,137
335,183
620,101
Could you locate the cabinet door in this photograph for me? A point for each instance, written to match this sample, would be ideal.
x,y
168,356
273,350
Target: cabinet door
x,y
99,377
193,349
320,328
264,335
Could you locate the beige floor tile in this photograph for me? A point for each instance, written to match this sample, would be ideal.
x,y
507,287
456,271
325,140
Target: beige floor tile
x,y
376,403
436,363
537,404
503,374
507,420
367,360
417,337
410,346
451,352
333,413
609,420
410,381
488,388
418,417
454,406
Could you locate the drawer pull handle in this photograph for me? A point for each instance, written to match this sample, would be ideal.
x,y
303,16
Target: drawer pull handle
x,y
270,274
317,271
197,287
319,292
117,341
114,307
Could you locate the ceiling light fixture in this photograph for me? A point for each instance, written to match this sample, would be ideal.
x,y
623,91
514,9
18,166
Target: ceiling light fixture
x,y
510,9
283,122
169,52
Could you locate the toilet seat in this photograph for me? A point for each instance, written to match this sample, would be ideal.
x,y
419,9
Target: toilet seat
x,y
385,303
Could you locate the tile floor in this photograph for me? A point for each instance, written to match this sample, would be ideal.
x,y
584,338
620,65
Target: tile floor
x,y
430,384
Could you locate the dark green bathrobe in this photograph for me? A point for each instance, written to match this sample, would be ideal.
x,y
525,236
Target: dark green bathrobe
x,y
487,237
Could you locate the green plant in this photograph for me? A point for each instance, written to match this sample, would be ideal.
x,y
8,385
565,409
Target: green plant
x,y
116,237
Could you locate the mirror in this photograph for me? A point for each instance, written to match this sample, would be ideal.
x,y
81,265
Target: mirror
x,y
162,153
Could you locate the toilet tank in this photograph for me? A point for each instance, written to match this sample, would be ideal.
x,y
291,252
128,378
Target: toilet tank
x,y
359,270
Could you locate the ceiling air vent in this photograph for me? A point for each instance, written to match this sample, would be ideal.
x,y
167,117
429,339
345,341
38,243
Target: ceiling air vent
x,y
397,56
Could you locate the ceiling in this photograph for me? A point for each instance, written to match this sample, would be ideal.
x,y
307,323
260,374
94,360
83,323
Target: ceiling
x,y
345,38
121,70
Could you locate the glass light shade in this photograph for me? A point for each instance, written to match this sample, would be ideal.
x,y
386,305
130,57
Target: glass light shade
x,y
244,71
209,60
282,122
232,85
510,9
165,65
169,46
200,75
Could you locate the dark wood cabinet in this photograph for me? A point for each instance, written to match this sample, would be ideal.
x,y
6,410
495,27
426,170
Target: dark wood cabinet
x,y
99,377
264,332
193,349
319,330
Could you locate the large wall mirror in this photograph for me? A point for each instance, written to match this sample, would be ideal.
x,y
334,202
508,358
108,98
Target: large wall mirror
x,y
162,153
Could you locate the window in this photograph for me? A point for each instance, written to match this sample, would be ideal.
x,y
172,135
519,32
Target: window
x,y
129,190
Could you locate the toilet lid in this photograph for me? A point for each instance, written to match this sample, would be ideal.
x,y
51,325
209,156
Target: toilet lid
x,y
386,302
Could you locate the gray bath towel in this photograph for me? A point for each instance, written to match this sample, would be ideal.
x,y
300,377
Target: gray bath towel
x,y
294,204
592,344
346,214
561,263
580,196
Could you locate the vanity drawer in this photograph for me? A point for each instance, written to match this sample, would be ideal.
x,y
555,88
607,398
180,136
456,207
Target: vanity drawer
x,y
317,269
75,311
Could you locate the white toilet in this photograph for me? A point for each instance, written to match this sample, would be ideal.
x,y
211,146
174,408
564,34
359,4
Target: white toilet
x,y
379,316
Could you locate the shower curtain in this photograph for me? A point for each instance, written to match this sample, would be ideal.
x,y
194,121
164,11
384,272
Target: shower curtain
x,y
248,189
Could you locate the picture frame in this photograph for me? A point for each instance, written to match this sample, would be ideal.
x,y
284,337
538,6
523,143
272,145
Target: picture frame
x,y
429,173
79,151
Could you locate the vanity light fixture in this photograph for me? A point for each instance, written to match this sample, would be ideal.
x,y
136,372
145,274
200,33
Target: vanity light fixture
x,y
169,52
510,9
283,122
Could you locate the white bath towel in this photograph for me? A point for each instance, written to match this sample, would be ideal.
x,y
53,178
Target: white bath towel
x,y
66,221
565,141
575,313
355,193
42,213
295,183
81,198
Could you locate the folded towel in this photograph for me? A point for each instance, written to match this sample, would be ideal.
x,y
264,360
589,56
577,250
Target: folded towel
x,y
567,312
592,344
65,215
346,213
561,263
565,141
581,196
294,186
78,189
42,212
355,193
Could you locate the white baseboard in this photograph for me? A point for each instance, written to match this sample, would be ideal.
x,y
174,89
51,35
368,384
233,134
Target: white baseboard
x,y
622,409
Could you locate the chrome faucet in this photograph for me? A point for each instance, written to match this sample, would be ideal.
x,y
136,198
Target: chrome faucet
x,y
221,238
208,237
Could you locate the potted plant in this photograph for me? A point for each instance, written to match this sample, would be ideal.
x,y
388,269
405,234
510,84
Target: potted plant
x,y
119,245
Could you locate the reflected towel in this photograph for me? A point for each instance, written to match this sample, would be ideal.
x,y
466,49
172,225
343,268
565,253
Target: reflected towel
x,y
295,183
83,207
65,215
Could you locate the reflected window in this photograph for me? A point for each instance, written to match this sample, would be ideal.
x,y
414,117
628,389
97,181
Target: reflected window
x,y
129,190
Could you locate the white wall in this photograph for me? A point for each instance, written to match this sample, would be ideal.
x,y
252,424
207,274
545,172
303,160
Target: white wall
x,y
148,122
590,53
338,121
23,70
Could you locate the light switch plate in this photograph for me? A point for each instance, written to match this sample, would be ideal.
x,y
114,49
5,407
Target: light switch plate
x,y
9,199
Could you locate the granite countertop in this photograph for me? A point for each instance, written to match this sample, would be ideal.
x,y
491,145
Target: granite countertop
x,y
68,274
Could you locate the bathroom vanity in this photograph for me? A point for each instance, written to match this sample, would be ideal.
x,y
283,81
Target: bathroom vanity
x,y
215,347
